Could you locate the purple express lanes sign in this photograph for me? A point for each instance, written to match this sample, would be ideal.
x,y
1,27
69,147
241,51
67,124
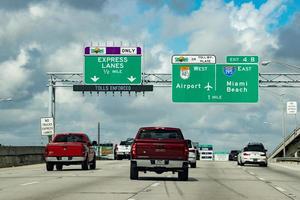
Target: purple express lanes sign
x,y
112,65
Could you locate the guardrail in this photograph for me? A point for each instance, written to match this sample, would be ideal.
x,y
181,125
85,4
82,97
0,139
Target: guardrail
x,y
287,159
21,155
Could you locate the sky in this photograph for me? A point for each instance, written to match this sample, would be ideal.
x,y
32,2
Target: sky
x,y
37,37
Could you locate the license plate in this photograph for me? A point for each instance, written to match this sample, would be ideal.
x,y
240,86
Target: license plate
x,y
160,162
255,160
64,158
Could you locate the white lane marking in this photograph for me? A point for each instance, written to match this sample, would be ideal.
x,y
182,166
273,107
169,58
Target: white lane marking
x,y
280,189
262,179
251,173
31,183
155,184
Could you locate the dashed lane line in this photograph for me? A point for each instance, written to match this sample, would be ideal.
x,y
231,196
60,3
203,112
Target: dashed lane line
x,y
31,183
155,184
280,189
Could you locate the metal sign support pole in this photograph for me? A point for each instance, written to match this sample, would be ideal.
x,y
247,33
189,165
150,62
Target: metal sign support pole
x,y
51,105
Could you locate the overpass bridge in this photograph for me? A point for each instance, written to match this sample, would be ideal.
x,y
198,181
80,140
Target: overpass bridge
x,y
290,145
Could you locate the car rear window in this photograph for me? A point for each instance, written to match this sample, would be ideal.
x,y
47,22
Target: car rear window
x,y
189,143
126,143
160,134
259,148
69,138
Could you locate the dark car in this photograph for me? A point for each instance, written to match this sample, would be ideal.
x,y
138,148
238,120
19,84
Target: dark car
x,y
233,155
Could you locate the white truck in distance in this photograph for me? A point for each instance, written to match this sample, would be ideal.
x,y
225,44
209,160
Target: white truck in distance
x,y
123,149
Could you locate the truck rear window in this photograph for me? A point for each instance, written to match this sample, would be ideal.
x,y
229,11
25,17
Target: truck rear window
x,y
160,134
68,138
127,143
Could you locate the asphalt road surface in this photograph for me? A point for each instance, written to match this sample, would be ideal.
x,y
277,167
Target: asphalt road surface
x,y
209,181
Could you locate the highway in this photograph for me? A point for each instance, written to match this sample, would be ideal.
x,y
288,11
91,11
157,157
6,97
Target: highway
x,y
209,181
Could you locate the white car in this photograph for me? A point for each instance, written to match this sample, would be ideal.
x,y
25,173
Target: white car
x,y
253,153
192,154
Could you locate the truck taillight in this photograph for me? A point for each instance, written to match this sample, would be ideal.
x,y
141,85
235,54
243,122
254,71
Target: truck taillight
x,y
83,151
46,151
186,152
133,151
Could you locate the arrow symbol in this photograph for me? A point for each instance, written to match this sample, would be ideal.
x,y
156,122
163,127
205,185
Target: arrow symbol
x,y
95,78
131,78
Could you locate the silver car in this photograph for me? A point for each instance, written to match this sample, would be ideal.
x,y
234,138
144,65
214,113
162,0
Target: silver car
x,y
192,154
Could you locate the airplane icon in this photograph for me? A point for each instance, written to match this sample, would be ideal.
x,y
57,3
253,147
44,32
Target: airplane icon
x,y
208,87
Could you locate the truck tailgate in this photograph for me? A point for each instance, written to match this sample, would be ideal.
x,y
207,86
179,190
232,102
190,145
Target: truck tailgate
x,y
160,149
65,149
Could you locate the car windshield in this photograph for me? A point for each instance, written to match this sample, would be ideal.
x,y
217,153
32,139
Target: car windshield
x,y
160,134
69,138
259,148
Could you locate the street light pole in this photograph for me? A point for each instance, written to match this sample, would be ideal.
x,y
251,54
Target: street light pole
x,y
265,63
283,122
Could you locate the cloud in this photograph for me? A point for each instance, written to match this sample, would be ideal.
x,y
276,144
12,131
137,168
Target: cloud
x,y
13,5
14,76
65,59
289,46
49,35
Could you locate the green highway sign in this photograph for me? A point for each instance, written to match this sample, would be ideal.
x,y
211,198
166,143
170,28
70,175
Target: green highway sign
x,y
232,83
242,59
113,65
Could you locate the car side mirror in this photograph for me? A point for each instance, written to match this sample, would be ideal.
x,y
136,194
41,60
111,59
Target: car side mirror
x,y
94,143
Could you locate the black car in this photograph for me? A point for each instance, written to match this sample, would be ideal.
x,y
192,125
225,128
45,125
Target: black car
x,y
233,155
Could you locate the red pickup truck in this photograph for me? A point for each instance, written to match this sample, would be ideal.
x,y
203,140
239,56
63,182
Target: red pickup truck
x,y
70,149
159,149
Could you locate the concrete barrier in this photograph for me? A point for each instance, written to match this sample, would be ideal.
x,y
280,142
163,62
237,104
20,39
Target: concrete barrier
x,y
20,155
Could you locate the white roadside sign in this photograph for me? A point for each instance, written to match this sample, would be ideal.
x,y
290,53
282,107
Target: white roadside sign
x,y
47,126
291,107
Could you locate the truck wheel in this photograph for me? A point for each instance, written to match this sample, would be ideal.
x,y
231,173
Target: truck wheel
x,y
49,166
193,165
85,164
134,173
59,167
93,164
184,175
119,157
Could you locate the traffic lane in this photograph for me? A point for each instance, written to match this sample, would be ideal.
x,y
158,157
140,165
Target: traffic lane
x,y
24,174
109,181
284,179
210,180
